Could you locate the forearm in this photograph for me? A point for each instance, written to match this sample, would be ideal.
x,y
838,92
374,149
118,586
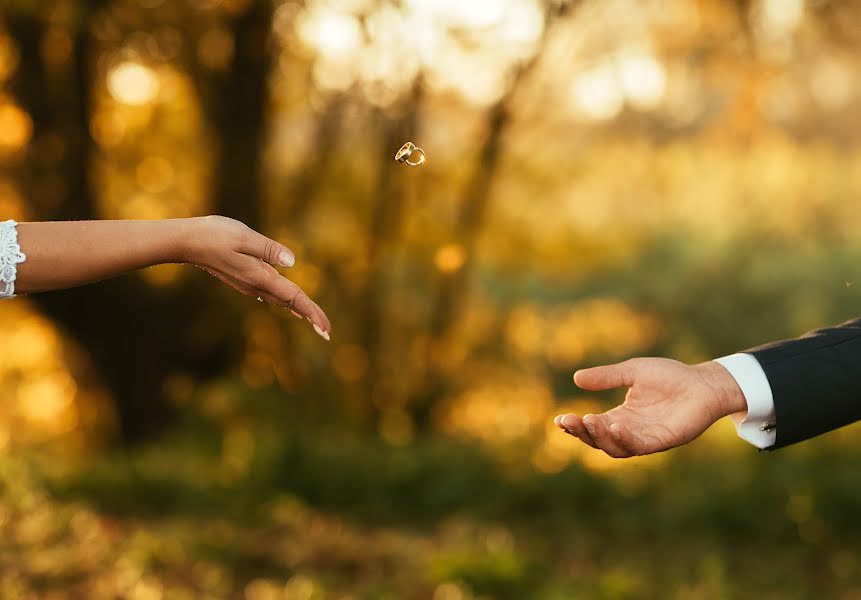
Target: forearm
x,y
72,253
814,381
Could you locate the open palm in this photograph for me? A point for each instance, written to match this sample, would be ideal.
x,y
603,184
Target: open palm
x,y
668,404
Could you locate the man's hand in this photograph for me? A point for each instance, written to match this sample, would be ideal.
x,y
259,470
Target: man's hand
x,y
668,404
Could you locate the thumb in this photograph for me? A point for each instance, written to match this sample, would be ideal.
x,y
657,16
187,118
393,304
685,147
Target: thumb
x,y
605,377
270,251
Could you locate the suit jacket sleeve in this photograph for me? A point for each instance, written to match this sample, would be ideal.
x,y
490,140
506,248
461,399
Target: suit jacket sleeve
x,y
815,381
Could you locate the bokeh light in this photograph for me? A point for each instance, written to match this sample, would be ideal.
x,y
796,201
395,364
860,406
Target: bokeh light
x,y
16,127
597,92
133,83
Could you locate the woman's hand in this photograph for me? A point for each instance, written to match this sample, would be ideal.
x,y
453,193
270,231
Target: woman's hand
x,y
67,254
243,259
668,404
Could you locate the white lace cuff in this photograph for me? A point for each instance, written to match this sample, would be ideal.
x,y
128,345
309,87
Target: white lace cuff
x,y
10,257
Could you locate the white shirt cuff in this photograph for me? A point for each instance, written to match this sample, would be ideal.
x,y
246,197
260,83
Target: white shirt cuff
x,y
757,425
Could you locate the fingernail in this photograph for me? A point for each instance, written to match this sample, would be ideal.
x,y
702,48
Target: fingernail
x,y
297,315
590,426
615,430
321,333
567,421
286,259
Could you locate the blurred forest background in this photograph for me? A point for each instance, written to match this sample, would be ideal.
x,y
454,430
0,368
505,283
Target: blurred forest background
x,y
605,178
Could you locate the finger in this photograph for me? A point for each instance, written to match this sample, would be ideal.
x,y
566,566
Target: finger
x,y
283,292
606,377
323,333
274,288
278,302
602,437
269,250
626,439
573,424
240,286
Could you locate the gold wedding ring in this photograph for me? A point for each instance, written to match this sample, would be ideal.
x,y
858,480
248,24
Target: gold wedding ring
x,y
406,152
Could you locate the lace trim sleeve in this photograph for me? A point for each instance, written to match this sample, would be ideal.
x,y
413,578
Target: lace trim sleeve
x,y
10,257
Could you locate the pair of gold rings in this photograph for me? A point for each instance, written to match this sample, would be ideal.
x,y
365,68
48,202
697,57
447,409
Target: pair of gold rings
x,y
407,151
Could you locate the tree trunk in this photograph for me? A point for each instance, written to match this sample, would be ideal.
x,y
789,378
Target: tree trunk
x,y
385,226
452,288
136,335
234,103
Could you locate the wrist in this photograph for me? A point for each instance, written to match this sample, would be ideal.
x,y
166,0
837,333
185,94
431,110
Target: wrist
x,y
186,239
729,399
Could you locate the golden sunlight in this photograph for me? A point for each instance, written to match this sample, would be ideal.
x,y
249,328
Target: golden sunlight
x,y
473,14
155,174
500,411
41,396
8,57
637,78
133,83
16,127
12,204
450,258
596,92
599,326
332,33
643,80
467,47
781,16
525,330
48,402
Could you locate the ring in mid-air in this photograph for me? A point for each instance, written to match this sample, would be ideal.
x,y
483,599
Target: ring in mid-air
x,y
408,151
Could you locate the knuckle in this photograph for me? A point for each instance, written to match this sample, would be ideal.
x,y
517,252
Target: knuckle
x,y
270,251
221,222
227,229
293,293
259,278
254,280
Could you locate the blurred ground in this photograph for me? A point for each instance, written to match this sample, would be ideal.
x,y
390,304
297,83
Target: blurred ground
x,y
287,514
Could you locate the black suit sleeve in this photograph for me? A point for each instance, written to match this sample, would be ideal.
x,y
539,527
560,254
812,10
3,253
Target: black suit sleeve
x,y
815,381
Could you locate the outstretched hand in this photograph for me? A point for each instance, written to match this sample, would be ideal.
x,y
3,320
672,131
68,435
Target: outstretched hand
x,y
668,404
243,258
92,251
